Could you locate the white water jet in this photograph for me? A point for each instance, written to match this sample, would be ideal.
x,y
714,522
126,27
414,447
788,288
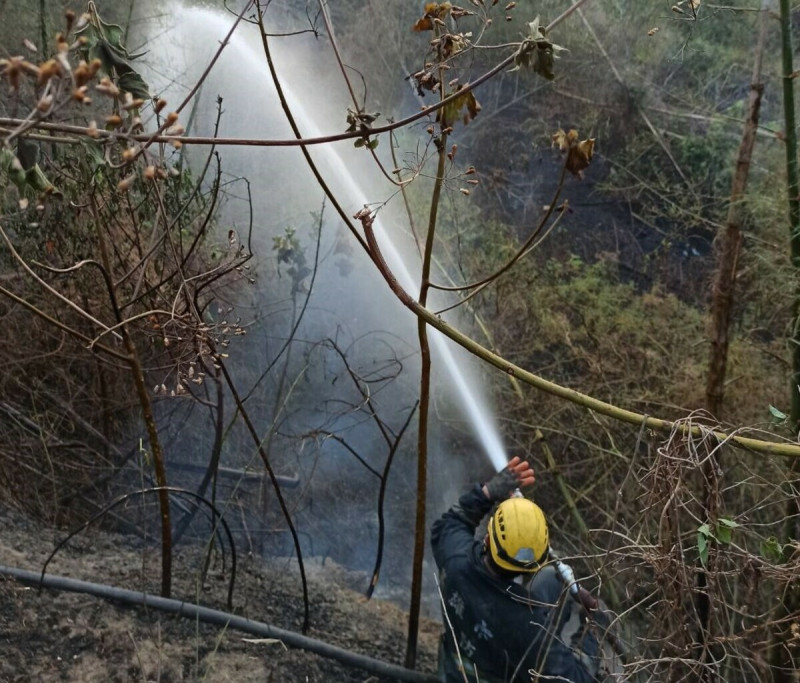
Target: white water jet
x,y
480,421
209,27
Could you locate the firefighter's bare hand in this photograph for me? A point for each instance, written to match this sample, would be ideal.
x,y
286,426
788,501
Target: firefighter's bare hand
x,y
516,474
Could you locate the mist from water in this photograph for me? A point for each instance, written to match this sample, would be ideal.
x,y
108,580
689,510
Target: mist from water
x,y
206,26
477,413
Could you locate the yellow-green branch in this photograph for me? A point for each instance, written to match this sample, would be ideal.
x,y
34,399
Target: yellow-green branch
x,y
596,405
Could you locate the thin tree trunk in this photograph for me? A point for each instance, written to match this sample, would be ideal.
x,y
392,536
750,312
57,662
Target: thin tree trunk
x,y
424,400
793,191
728,246
784,665
156,452
424,392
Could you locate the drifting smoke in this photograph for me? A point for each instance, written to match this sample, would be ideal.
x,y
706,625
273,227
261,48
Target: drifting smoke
x,y
350,314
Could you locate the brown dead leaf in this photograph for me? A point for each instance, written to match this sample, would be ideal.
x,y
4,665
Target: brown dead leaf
x,y
579,153
434,11
453,110
564,140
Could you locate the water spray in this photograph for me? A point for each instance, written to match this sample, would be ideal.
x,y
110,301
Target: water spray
x,y
250,60
481,424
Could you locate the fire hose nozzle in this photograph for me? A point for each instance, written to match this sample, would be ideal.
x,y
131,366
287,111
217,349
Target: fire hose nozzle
x,y
567,576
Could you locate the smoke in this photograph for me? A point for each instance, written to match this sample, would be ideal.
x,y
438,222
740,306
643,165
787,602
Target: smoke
x,y
354,355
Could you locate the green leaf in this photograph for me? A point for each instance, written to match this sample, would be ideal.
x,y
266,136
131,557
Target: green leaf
x,y
95,51
705,530
724,521
372,144
360,120
723,534
112,60
104,42
111,33
702,546
133,83
94,154
771,550
778,415
36,179
12,167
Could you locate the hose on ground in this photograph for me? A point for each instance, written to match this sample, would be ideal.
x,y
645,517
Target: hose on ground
x,y
218,618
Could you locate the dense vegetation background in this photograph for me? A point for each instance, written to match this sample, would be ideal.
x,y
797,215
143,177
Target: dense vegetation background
x,y
692,540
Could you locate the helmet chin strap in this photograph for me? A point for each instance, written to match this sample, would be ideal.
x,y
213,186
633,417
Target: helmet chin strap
x,y
489,563
487,556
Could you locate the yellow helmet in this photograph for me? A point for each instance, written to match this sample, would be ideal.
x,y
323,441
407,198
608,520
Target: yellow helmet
x,y
518,538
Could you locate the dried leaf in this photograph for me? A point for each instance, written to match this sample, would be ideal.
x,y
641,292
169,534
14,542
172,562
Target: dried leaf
x,y
48,70
579,153
125,184
458,12
450,113
537,52
424,24
580,157
433,12
564,140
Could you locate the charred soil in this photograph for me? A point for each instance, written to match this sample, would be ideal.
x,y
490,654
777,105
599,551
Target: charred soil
x,y
55,636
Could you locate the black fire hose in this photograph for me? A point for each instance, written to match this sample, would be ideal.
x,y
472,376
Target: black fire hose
x,y
589,603
225,619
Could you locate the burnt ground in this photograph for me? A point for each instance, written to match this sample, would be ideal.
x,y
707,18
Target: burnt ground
x,y
71,637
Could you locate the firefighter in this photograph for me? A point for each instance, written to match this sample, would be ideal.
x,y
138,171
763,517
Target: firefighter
x,y
507,615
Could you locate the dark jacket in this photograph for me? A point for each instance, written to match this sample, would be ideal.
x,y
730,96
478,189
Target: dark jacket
x,y
506,632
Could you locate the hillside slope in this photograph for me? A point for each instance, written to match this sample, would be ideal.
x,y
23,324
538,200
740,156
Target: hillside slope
x,y
56,636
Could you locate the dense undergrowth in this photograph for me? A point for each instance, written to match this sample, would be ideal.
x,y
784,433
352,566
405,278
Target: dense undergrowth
x,y
685,536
